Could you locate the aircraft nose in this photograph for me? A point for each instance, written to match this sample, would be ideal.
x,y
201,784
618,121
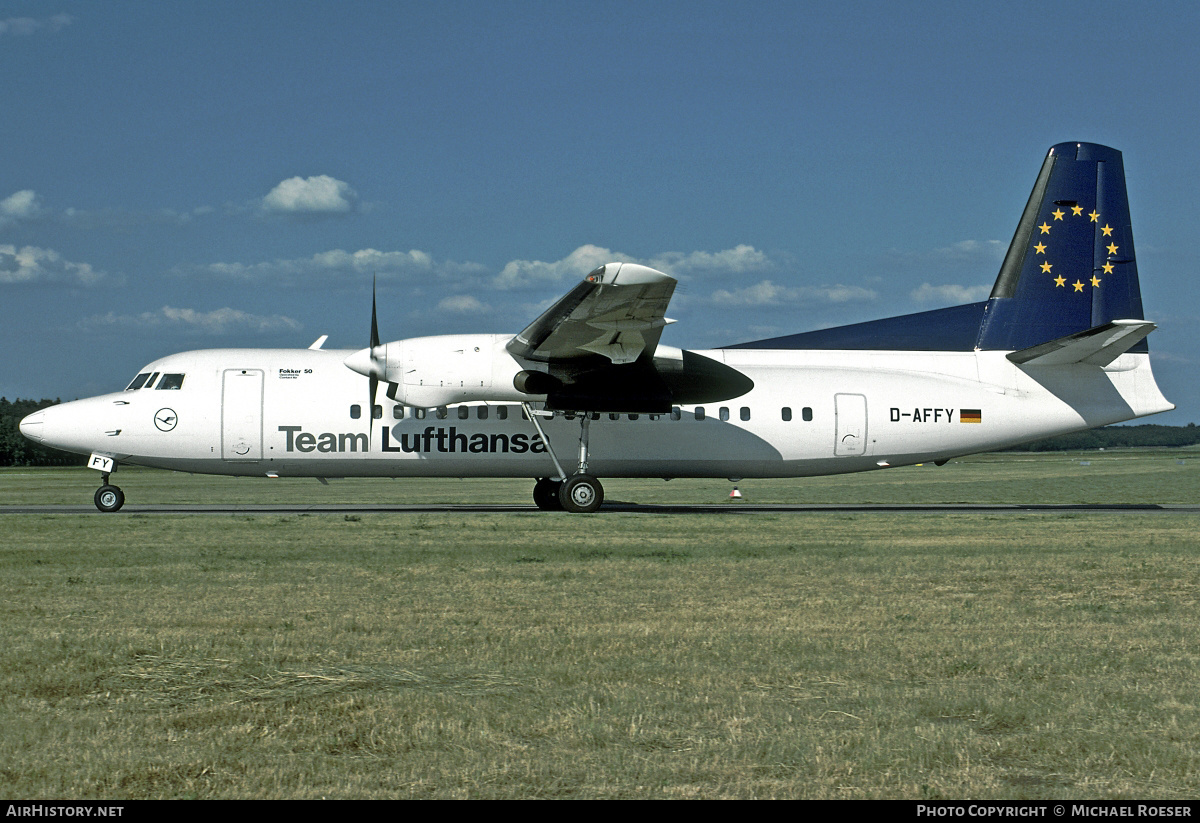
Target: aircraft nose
x,y
31,426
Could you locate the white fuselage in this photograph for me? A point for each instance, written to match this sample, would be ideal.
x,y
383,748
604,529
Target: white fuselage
x,y
292,413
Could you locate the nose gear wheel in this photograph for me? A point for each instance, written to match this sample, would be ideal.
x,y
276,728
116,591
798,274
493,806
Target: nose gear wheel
x,y
109,498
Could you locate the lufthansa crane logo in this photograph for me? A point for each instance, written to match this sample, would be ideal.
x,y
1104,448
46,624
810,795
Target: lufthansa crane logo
x,y
165,419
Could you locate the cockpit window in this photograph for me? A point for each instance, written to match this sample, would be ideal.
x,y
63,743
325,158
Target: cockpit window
x,y
171,381
138,381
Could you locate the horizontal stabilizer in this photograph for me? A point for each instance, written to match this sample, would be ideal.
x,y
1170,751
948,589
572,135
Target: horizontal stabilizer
x,y
1097,347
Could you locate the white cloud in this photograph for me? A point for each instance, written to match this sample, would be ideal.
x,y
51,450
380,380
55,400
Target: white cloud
x,y
973,249
122,220
741,259
24,26
321,195
463,304
220,321
338,263
950,293
517,274
30,264
21,205
521,273
738,260
767,293
962,253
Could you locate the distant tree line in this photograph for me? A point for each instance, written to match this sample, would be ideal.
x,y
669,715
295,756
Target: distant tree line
x,y
1117,437
16,450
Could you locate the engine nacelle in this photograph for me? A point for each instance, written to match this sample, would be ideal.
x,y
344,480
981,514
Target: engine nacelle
x,y
427,372
436,371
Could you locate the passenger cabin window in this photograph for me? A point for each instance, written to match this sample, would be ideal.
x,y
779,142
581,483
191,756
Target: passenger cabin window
x,y
483,413
138,382
724,413
420,413
441,412
699,412
397,412
502,412
170,382
745,413
806,414
355,411
676,414
464,412
787,414
377,412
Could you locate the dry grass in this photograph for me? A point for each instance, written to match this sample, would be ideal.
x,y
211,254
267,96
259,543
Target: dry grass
x,y
843,655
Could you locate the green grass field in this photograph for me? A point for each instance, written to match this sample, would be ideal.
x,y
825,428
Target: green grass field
x,y
622,654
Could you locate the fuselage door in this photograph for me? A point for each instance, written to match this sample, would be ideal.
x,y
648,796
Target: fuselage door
x,y
241,414
851,428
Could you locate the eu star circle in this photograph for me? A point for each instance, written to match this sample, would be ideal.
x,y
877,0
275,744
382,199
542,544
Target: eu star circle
x,y
165,419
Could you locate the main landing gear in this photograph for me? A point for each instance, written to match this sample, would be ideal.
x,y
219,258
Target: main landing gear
x,y
581,493
109,498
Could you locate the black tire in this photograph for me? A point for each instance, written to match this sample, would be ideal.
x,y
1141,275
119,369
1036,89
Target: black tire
x,y
581,494
109,498
545,494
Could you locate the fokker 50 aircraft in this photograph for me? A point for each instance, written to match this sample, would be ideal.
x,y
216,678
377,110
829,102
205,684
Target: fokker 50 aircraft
x,y
586,391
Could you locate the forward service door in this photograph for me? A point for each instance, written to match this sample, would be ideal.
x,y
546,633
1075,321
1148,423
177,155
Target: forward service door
x,y
241,415
851,427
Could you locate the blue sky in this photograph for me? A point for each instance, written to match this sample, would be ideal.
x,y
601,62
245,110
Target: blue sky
x,y
208,174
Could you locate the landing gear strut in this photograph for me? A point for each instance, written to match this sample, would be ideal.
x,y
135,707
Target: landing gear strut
x,y
109,498
581,493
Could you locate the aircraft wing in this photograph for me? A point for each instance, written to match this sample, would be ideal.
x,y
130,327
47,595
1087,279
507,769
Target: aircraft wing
x,y
617,312
595,349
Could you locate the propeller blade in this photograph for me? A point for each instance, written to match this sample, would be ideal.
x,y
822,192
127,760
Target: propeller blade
x,y
374,322
371,411
372,363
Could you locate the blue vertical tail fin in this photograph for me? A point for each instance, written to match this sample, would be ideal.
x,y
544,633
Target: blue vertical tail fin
x,y
1070,269
1071,265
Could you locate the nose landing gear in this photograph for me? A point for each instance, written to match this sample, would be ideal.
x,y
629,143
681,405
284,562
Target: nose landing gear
x,y
109,498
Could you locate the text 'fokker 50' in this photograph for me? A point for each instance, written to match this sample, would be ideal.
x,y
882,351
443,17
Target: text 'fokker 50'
x,y
586,391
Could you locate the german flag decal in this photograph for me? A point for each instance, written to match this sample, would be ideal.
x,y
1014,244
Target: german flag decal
x,y
970,415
